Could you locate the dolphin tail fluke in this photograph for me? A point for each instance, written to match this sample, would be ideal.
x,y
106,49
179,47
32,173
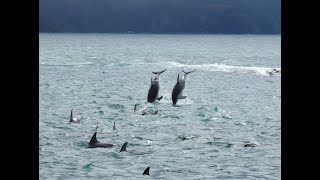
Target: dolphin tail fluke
x,y
146,171
159,72
124,147
187,72
94,140
182,97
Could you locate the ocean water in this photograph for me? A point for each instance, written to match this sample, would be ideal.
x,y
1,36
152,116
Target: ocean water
x,y
228,127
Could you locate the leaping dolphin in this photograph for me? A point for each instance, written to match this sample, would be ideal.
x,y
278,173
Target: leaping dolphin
x,y
154,88
179,87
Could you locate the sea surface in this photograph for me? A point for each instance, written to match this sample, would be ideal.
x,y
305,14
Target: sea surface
x,y
228,127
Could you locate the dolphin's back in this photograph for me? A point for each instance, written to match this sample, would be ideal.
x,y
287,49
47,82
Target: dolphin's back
x,y
153,92
102,145
176,92
155,86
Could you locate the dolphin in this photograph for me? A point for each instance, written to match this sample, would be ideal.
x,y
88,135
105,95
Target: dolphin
x,y
97,127
142,111
124,147
179,87
154,88
73,119
146,171
94,143
106,132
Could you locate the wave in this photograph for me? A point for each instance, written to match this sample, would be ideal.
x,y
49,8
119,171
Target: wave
x,y
265,71
66,64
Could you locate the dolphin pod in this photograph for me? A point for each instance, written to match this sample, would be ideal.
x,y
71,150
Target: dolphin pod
x,y
176,92
153,96
124,148
94,143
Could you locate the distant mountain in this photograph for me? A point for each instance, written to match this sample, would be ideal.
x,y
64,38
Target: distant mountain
x,y
44,27
161,16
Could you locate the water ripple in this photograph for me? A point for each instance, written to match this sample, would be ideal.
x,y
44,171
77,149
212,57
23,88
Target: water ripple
x,y
228,127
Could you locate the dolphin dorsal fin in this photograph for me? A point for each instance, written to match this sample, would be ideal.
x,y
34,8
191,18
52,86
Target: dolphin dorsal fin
x,y
178,78
114,125
124,147
71,116
97,126
146,172
135,107
94,140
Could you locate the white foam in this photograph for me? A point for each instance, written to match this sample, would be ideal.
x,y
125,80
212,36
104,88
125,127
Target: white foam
x,y
265,71
66,64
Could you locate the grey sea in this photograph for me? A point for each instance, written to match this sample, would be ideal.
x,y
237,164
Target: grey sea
x,y
228,127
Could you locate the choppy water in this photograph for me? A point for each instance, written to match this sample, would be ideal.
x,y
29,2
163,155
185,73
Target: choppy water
x,y
229,126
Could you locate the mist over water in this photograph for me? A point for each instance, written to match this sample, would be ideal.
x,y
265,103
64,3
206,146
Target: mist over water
x,y
228,127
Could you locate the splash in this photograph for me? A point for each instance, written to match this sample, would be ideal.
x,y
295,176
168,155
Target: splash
x,y
265,71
